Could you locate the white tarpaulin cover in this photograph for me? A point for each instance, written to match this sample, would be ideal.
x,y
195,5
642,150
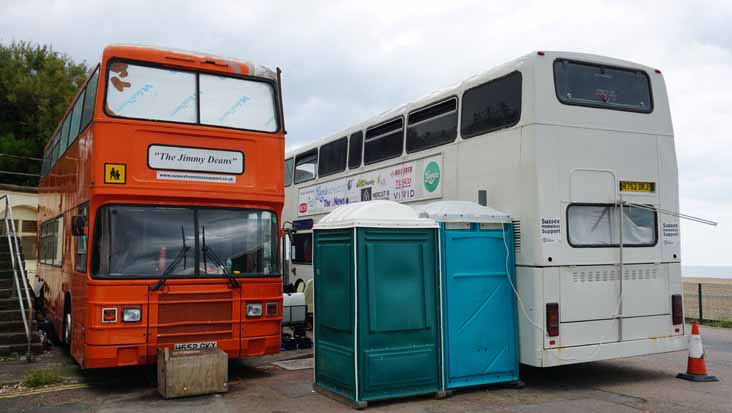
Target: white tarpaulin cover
x,y
592,225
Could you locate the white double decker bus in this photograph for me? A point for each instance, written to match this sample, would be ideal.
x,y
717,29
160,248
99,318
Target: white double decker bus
x,y
578,148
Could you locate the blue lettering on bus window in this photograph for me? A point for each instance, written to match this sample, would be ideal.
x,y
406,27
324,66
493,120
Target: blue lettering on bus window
x,y
133,99
234,108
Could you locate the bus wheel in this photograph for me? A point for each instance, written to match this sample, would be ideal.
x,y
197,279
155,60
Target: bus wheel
x,y
67,329
66,323
299,286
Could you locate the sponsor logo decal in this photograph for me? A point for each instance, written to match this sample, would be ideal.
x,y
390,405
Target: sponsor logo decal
x,y
431,176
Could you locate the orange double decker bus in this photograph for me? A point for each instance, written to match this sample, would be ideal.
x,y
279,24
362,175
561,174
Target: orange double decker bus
x,y
159,205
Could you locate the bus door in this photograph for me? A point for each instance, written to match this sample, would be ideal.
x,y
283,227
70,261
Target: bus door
x,y
590,294
624,301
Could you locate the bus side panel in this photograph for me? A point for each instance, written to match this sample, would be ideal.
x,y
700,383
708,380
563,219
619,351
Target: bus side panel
x,y
669,235
530,288
60,192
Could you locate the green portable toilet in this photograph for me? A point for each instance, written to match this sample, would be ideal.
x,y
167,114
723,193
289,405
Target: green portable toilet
x,y
377,333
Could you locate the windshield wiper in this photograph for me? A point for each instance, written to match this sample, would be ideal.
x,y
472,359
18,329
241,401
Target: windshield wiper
x,y
178,257
208,252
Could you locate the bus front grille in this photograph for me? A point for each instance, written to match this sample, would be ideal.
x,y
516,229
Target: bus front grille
x,y
194,317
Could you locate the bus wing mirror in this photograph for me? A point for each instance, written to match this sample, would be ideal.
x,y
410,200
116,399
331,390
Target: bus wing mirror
x,y
78,225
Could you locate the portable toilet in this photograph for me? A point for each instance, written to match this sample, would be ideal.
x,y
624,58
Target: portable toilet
x,y
480,339
376,323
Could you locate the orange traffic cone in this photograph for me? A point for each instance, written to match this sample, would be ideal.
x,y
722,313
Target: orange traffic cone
x,y
696,370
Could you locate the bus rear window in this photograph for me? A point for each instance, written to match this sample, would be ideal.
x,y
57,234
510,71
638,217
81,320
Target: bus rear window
x,y
596,225
599,86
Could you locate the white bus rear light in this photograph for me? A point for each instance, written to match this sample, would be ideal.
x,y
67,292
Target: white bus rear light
x,y
552,319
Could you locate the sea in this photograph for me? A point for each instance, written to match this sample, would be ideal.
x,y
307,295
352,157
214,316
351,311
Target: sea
x,y
709,271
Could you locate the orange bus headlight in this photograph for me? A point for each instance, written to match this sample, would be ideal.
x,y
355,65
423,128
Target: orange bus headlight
x,y
131,314
109,315
254,310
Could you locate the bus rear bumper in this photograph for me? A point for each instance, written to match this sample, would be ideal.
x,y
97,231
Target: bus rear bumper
x,y
596,352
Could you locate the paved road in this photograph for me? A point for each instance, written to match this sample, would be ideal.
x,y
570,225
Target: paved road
x,y
629,385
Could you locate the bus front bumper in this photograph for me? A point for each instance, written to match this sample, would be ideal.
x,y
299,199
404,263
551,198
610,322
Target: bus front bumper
x,y
142,354
596,352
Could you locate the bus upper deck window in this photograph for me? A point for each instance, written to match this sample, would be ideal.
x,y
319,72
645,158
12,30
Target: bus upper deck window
x,y
305,166
491,106
289,168
355,150
145,92
601,86
237,103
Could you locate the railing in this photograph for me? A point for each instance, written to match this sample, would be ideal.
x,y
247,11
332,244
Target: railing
x,y
708,300
17,262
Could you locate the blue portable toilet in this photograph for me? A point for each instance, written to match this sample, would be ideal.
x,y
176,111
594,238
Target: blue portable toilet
x,y
480,325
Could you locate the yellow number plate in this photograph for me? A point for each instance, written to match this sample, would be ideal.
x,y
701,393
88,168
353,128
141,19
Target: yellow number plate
x,y
632,186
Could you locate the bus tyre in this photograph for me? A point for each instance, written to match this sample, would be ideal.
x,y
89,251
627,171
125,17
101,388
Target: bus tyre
x,y
67,329
66,324
299,286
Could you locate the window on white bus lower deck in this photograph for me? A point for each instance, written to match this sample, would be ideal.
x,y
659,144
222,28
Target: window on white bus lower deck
x,y
600,86
596,225
432,126
384,141
302,246
305,166
237,103
333,157
491,106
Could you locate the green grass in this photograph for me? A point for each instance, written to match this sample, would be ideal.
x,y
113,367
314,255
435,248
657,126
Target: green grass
x,y
712,323
41,377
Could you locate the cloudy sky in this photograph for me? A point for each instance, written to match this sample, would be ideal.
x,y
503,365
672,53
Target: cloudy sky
x,y
346,61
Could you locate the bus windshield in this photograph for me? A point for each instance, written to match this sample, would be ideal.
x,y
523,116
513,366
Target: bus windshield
x,y
162,94
586,84
145,241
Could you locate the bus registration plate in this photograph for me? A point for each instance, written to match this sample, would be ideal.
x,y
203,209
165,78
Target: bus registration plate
x,y
195,346
634,186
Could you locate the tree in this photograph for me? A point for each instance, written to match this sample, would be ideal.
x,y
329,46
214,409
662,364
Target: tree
x,y
36,86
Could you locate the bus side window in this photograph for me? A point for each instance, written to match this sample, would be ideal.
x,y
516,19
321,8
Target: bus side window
x,y
305,165
289,166
302,248
80,225
384,141
333,157
355,148
52,242
491,106
432,126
